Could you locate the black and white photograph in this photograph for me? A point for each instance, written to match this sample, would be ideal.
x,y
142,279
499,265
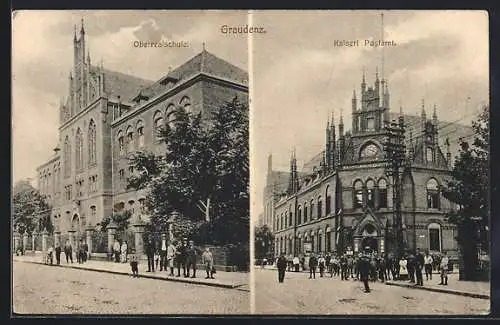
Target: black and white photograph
x,y
130,149
370,163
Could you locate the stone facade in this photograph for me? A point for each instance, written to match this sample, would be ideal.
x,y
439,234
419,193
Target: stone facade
x,y
344,195
85,180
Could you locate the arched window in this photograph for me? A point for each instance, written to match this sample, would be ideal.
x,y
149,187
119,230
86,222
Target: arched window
x,y
434,230
170,115
290,216
131,206
320,241
328,240
370,193
305,212
186,104
121,145
282,221
382,193
312,242
320,207
299,215
130,139
432,194
93,211
429,155
312,209
92,143
328,201
79,150
358,194
158,125
140,133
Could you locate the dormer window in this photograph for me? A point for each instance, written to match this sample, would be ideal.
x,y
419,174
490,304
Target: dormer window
x,y
370,123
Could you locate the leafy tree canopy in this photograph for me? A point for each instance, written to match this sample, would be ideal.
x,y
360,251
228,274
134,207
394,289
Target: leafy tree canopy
x,y
30,209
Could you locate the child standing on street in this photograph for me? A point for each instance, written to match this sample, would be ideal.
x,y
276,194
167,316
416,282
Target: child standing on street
x,y
133,264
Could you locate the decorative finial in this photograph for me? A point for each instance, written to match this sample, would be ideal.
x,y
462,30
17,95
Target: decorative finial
x,y
333,119
203,44
82,30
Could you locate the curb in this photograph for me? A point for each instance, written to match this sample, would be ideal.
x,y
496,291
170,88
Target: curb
x,y
449,291
147,276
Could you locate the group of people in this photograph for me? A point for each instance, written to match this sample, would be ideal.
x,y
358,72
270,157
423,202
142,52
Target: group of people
x,y
171,255
376,266
82,253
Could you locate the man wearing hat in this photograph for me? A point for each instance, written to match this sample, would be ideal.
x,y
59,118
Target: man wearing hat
x,y
364,267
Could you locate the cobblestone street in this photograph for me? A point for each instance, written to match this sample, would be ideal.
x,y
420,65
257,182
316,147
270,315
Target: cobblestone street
x,y
301,295
43,289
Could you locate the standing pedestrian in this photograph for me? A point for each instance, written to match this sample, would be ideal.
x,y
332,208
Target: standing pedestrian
x,y
403,268
321,263
191,258
68,252
419,265
350,266
281,263
428,261
150,252
208,260
364,266
123,251
381,268
332,265
170,257
296,263
116,250
313,263
163,255
58,253
411,267
290,262
86,254
157,258
133,264
343,267
180,256
444,269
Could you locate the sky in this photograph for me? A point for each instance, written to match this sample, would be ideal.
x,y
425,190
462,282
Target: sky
x,y
42,57
299,77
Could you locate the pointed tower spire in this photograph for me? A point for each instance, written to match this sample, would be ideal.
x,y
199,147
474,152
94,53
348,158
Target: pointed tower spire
x,y
363,83
423,115
448,153
82,30
74,35
341,124
434,116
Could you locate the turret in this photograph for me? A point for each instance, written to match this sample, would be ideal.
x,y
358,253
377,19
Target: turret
x,y
377,83
448,153
434,117
293,181
401,116
354,108
341,140
363,84
327,152
332,148
423,116
82,43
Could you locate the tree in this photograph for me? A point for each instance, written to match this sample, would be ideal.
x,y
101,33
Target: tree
x,y
469,190
202,160
264,241
30,209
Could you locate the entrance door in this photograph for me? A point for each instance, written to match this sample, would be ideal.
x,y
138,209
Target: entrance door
x,y
371,242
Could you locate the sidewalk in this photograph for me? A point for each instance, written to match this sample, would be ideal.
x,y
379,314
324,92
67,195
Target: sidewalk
x,y
472,289
222,279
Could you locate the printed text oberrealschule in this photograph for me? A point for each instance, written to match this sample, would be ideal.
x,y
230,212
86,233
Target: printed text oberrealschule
x,y
365,43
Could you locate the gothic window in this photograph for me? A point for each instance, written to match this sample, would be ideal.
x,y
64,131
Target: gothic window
x,y
432,194
312,209
131,206
358,194
170,115
305,212
328,201
130,139
142,206
158,125
299,215
121,146
370,123
370,193
79,150
290,217
93,211
186,104
382,193
92,143
320,207
140,133
429,155
122,174
434,237
320,241
328,239
282,221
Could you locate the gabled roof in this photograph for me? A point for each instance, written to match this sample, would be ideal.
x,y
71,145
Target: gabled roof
x,y
203,62
123,85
